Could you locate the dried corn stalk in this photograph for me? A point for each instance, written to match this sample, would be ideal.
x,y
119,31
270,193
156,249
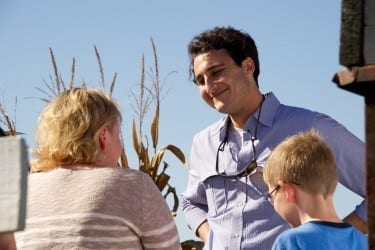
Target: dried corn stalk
x,y
153,166
9,123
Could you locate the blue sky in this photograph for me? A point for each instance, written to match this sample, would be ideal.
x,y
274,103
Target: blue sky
x,y
298,43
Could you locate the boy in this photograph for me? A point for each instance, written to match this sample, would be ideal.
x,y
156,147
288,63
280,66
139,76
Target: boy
x,y
301,177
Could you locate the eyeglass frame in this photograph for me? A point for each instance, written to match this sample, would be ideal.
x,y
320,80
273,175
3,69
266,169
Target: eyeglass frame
x,y
274,191
270,196
246,171
253,164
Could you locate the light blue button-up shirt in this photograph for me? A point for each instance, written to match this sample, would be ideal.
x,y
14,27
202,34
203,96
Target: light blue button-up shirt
x,y
239,215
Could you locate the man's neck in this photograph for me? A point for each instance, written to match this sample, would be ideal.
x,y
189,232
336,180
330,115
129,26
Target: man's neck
x,y
240,118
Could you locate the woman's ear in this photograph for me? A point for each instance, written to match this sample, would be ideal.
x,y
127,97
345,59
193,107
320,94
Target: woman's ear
x,y
102,138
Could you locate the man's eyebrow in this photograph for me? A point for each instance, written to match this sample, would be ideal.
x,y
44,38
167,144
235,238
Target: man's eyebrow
x,y
211,68
214,66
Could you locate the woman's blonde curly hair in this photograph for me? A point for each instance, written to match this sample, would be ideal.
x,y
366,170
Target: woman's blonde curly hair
x,y
68,128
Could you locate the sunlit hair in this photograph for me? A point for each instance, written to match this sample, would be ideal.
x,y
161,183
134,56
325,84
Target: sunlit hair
x,y
237,43
68,128
304,159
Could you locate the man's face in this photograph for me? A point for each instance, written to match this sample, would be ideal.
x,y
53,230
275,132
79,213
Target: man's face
x,y
222,83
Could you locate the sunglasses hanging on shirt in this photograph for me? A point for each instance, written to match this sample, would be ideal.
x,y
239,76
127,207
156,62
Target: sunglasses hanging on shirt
x,y
253,163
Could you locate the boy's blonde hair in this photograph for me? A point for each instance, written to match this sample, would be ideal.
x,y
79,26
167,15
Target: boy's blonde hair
x,y
304,159
68,128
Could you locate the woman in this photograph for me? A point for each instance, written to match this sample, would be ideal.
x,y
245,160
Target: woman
x,y
78,197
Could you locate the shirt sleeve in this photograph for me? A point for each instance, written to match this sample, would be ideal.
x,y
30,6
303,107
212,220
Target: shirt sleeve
x,y
194,207
350,157
194,202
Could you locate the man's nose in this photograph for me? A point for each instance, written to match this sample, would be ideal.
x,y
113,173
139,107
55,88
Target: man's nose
x,y
209,81
211,86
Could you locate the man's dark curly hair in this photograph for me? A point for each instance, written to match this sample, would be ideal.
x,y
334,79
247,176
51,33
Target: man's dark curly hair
x,y
238,44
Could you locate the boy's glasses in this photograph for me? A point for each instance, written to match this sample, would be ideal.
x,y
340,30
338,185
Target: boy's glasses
x,y
271,195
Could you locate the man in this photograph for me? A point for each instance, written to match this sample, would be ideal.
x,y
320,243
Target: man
x,y
225,200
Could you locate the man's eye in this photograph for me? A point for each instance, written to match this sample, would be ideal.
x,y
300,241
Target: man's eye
x,y
199,81
216,72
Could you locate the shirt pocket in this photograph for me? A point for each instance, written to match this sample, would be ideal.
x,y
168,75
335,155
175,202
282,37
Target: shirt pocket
x,y
217,195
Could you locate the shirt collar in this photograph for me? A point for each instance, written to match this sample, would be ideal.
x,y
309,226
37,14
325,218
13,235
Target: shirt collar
x,y
269,109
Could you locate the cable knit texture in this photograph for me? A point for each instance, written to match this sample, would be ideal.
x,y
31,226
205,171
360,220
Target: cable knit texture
x,y
100,208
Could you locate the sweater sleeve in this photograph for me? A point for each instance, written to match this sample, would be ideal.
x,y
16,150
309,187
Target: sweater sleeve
x,y
158,228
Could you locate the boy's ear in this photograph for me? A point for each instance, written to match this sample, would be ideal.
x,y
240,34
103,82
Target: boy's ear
x,y
288,189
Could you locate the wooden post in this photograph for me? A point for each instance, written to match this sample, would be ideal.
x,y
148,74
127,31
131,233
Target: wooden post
x,y
370,146
357,53
13,183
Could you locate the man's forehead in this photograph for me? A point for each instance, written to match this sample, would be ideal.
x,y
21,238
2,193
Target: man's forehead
x,y
211,59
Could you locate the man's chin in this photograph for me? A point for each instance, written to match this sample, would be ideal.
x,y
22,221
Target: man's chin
x,y
220,109
218,106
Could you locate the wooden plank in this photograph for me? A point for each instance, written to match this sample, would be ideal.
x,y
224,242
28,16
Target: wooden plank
x,y
13,183
351,35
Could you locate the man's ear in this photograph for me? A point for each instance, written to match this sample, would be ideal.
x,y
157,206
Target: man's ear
x,y
102,138
248,65
289,190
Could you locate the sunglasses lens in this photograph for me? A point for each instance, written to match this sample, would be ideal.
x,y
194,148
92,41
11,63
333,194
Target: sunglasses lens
x,y
250,168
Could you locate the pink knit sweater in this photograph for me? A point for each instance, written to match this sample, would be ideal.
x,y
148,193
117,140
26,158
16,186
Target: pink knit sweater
x,y
100,208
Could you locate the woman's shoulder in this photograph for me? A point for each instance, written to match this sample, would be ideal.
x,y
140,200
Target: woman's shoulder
x,y
88,175
121,173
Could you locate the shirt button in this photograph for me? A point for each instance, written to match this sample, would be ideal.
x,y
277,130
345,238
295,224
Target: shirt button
x,y
236,235
240,204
